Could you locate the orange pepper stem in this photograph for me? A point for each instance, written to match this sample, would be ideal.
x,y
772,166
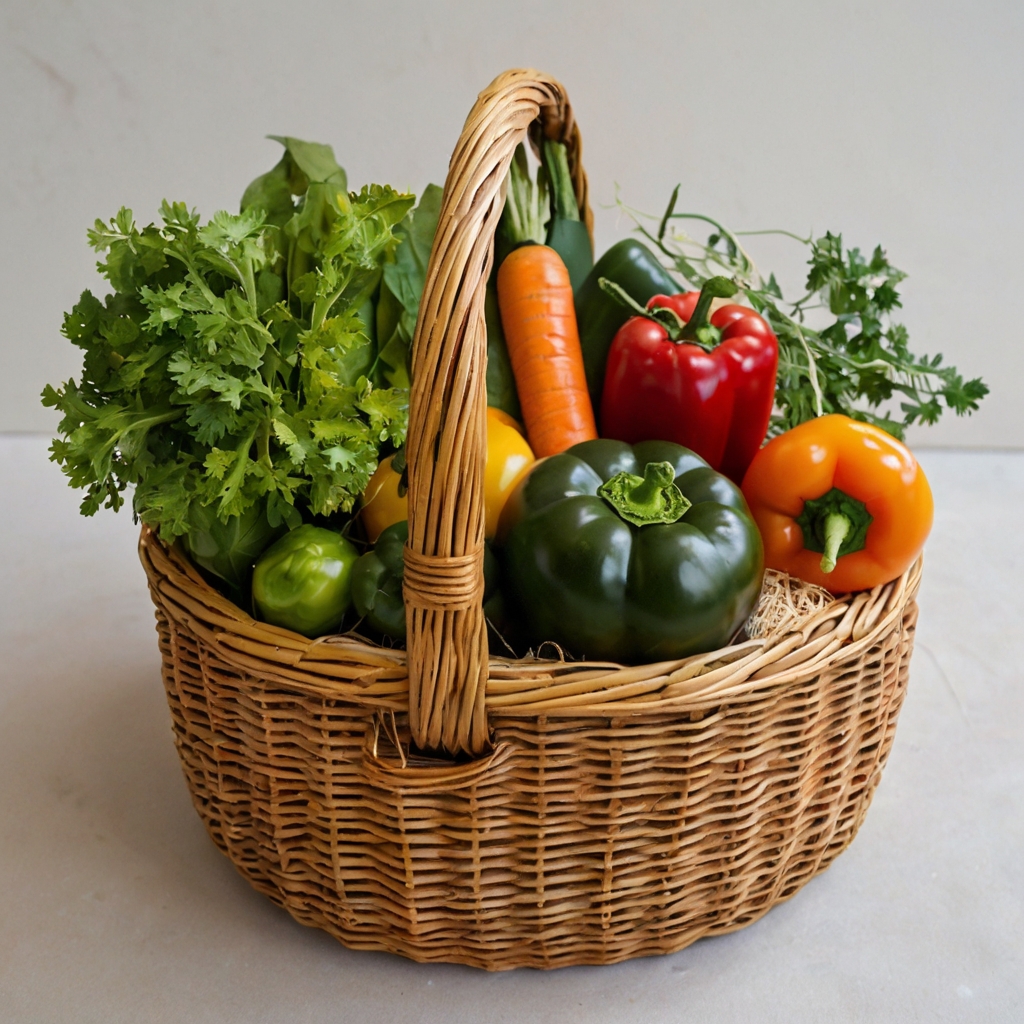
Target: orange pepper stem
x,y
837,527
834,525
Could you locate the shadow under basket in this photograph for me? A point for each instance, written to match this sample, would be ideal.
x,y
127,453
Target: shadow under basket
x,y
594,812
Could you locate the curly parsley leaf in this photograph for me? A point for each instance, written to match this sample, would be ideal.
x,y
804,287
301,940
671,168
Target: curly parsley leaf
x,y
229,371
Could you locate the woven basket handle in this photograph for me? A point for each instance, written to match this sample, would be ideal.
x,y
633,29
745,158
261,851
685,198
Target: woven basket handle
x,y
447,444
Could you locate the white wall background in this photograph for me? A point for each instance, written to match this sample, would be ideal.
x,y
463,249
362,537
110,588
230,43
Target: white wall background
x,y
897,122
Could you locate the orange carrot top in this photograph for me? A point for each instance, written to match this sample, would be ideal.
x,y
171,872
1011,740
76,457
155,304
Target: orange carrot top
x,y
539,319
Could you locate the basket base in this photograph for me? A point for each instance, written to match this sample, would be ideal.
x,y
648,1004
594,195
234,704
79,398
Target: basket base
x,y
522,859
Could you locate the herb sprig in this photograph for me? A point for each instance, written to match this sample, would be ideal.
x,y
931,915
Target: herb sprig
x,y
856,363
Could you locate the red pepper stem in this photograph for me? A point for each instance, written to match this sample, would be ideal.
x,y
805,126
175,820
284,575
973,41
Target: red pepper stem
x,y
713,288
837,527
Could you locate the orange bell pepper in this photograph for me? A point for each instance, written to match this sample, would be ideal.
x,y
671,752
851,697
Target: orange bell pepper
x,y
839,503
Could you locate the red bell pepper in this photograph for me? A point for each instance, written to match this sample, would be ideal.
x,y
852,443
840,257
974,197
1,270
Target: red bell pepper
x,y
673,376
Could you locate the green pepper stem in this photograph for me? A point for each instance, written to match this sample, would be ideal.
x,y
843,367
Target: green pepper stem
x,y
652,498
837,526
649,493
713,288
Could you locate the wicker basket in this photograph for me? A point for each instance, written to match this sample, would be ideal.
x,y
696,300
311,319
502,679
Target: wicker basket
x,y
595,812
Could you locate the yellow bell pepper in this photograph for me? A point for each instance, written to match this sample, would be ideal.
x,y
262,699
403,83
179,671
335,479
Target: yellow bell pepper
x,y
509,456
496,415
381,503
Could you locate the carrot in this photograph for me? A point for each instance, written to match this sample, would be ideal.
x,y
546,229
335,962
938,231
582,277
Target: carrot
x,y
539,319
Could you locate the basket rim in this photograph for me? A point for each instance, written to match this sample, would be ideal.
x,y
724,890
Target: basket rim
x,y
351,668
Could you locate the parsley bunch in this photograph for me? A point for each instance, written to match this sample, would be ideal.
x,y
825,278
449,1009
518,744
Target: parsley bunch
x,y
854,364
233,373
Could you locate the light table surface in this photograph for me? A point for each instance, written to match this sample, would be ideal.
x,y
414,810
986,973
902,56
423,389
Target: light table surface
x,y
116,907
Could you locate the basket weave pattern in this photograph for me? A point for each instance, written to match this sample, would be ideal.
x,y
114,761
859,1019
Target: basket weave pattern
x,y
596,812
614,817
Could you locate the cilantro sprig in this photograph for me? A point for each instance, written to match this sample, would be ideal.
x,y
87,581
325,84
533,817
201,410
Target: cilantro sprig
x,y
856,363
233,369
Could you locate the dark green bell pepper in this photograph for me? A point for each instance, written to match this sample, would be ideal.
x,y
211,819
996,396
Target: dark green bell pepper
x,y
377,581
304,580
634,268
581,572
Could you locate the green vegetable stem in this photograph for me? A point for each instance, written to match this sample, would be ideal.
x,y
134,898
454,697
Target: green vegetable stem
x,y
566,234
648,499
527,209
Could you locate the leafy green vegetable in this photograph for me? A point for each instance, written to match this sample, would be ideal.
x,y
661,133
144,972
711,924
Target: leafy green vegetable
x,y
229,550
854,364
301,164
501,381
404,277
229,371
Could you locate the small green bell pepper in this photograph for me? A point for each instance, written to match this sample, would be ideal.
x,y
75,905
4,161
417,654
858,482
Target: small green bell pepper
x,y
635,269
581,570
304,581
377,581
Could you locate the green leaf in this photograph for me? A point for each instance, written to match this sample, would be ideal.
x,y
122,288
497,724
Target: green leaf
x,y
81,323
272,193
393,360
366,235
406,274
315,160
404,278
